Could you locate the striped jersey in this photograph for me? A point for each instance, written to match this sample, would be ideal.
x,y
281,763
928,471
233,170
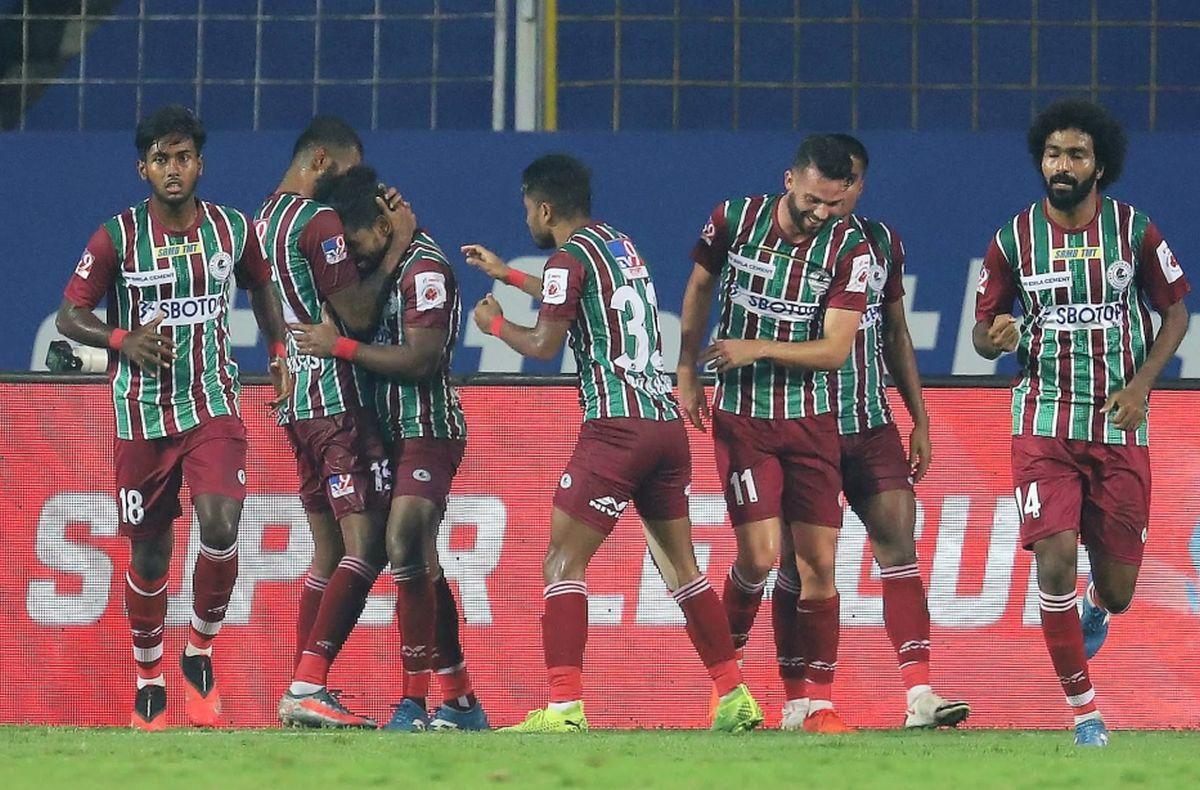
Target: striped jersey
x,y
145,270
1086,295
772,289
306,246
859,390
425,294
599,282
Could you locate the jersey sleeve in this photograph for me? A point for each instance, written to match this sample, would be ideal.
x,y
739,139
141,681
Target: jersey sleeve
x,y
427,292
851,273
562,287
997,289
712,248
95,272
893,287
1160,277
323,244
252,270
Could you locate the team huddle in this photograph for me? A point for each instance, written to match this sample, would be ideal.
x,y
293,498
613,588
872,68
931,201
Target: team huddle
x,y
361,310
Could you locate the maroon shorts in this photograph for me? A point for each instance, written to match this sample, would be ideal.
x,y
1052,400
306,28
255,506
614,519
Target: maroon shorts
x,y
211,457
1101,491
341,462
873,461
426,468
779,468
619,459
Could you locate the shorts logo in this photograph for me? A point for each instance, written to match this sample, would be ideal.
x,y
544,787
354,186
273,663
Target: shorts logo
x,y
1120,274
554,286
334,249
340,486
687,490
609,506
860,272
564,481
422,475
242,476
221,266
84,267
431,290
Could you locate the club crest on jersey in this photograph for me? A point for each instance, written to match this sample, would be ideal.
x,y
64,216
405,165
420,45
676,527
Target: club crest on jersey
x,y
627,258
431,290
340,486
84,267
220,266
1119,274
554,286
334,249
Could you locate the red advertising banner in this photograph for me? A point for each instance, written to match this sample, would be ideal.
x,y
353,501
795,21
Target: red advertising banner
x,y
67,660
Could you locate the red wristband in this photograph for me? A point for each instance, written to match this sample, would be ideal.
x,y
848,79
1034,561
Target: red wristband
x,y
117,338
496,326
277,349
515,277
344,348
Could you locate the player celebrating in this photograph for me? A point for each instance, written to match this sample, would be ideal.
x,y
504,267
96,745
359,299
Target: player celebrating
x,y
794,281
597,288
421,418
344,477
1086,268
165,266
876,476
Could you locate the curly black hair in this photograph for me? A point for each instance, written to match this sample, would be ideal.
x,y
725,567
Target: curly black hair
x,y
169,120
352,195
1108,138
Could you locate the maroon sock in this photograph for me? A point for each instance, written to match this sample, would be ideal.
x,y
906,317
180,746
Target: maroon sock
x,y
146,604
212,584
906,618
708,629
449,664
343,601
788,655
415,613
741,600
1064,640
564,635
310,602
819,621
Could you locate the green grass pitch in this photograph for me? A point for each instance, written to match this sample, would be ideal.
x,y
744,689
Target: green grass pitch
x,y
60,757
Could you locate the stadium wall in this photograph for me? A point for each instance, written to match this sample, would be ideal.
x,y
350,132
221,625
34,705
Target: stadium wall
x,y
946,193
66,650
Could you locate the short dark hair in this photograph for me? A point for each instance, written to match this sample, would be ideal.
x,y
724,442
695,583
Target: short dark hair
x,y
329,131
827,154
352,195
854,147
560,180
1108,138
165,121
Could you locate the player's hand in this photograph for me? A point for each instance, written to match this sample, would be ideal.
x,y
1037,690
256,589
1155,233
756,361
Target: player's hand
x,y
1004,332
486,261
920,451
282,381
401,220
486,312
691,396
316,340
146,348
1126,408
726,355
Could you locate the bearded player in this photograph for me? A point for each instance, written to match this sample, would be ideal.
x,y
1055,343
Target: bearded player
x,y
596,288
420,417
1087,270
166,266
793,290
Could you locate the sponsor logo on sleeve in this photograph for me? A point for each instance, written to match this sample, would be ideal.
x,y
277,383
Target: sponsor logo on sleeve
x,y
554,286
220,266
1119,274
984,276
334,249
84,267
860,273
431,290
709,233
340,486
1166,259
627,258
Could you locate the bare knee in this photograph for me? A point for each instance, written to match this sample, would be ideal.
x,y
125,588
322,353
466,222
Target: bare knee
x,y
218,517
758,549
561,563
151,559
1056,563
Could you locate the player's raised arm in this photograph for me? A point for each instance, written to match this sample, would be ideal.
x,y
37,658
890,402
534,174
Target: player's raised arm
x,y
493,266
